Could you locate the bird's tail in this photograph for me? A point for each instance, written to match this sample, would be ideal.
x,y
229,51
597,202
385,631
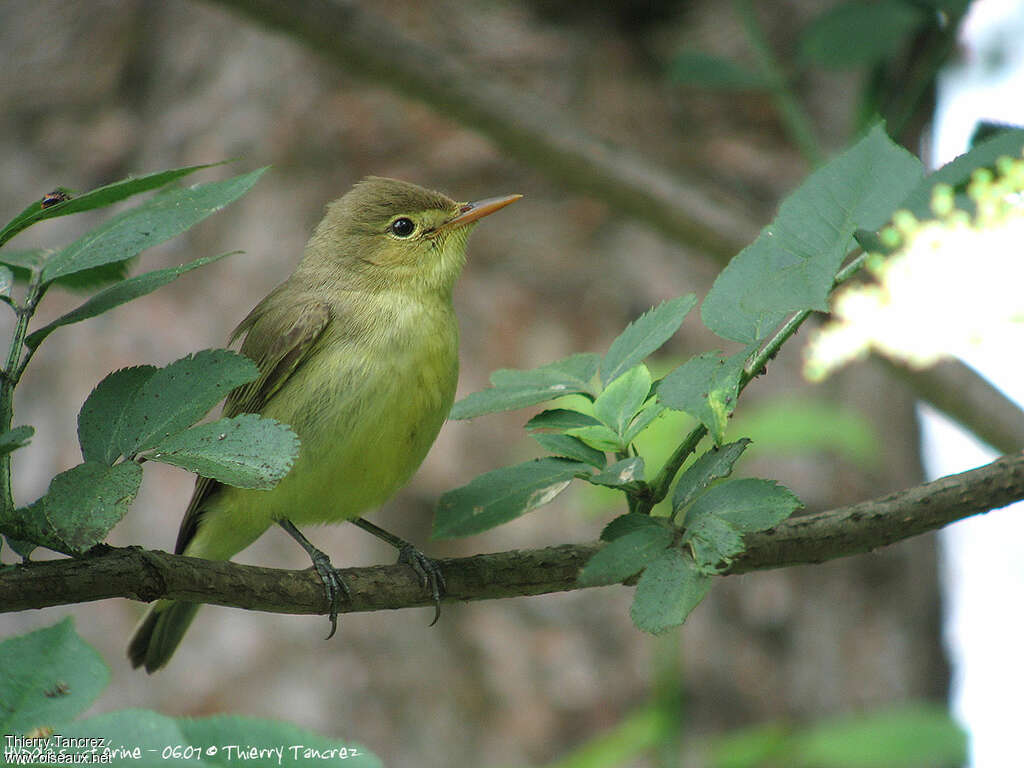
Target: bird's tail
x,y
159,633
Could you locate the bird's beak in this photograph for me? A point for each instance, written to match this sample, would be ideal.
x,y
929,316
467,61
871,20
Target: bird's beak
x,y
470,212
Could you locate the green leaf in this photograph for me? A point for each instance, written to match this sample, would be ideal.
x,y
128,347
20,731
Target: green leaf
x,y
715,464
652,410
118,294
246,451
515,389
570,448
50,676
177,396
705,70
714,542
906,736
627,474
622,399
82,505
628,523
497,399
645,335
561,418
599,437
502,495
858,34
575,372
668,590
6,281
154,221
792,264
706,387
13,439
101,417
619,559
97,198
749,504
23,262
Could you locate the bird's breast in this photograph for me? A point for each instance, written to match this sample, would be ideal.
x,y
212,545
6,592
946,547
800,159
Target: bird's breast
x,y
367,407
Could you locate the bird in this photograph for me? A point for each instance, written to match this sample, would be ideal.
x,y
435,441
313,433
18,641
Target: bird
x,y
358,352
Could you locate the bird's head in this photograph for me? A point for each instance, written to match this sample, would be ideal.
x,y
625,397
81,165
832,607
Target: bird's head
x,y
390,234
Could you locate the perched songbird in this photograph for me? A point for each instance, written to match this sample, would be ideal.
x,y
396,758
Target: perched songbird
x,y
358,352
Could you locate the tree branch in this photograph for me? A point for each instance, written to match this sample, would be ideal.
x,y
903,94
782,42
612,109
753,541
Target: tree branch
x,y
969,399
145,575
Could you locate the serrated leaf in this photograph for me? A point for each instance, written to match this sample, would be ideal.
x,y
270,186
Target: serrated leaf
x,y
667,592
715,464
645,335
561,418
599,437
575,372
705,70
706,387
13,439
82,505
497,399
118,294
502,495
714,542
246,451
515,389
570,448
651,411
627,474
175,397
628,523
622,399
619,559
99,420
154,221
791,265
96,198
749,504
858,34
50,676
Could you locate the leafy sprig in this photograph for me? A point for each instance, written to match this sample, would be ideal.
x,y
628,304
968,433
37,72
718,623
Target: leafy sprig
x,y
136,414
759,300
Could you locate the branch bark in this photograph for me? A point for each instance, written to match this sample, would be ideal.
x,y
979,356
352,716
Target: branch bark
x,y
145,575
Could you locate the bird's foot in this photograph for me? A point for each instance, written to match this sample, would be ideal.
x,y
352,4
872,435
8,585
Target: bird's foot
x,y
429,572
334,586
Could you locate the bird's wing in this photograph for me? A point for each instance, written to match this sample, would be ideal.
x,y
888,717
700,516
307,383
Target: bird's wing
x,y
278,341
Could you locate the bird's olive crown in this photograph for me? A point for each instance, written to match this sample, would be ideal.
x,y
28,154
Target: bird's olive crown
x,y
398,209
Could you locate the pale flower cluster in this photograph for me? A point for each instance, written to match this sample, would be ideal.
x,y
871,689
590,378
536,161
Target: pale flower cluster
x,y
954,286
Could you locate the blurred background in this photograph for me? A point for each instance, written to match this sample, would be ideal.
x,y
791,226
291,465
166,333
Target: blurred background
x,y
94,91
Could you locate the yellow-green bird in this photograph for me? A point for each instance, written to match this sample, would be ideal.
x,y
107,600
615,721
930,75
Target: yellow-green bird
x,y
358,352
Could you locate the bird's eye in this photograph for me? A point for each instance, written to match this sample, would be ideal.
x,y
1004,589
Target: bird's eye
x,y
402,227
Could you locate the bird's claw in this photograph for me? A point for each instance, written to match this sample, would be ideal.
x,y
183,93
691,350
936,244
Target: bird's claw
x,y
429,573
334,586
